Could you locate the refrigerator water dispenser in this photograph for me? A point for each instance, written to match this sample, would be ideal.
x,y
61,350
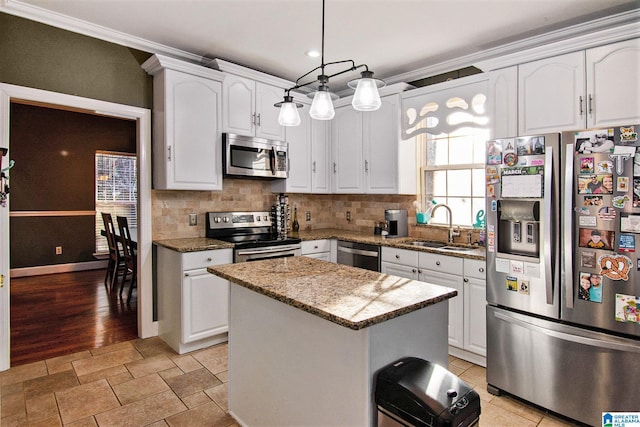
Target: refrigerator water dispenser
x,y
519,227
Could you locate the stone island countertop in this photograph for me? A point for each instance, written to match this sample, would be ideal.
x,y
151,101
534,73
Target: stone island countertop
x,y
348,296
193,244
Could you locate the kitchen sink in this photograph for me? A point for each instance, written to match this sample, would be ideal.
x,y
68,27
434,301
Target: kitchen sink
x,y
456,248
425,244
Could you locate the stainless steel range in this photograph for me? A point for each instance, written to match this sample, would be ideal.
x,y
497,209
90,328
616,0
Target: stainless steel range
x,y
252,234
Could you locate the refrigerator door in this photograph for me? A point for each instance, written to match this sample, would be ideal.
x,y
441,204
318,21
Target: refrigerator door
x,y
522,223
569,370
601,228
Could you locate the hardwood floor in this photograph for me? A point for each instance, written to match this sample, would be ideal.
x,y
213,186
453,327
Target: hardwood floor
x,y
58,314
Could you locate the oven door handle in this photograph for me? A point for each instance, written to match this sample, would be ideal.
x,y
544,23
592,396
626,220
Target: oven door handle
x,y
272,250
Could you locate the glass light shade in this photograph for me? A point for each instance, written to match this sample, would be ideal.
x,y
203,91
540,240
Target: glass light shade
x,y
322,106
289,114
367,97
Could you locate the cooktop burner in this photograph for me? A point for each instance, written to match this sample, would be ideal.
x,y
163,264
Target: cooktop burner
x,y
245,229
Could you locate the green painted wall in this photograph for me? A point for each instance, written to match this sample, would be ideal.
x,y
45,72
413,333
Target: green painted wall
x,y
44,57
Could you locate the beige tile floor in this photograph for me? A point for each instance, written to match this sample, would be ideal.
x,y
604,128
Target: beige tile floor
x,y
145,383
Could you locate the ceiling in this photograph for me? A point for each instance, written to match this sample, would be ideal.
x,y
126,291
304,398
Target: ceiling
x,y
393,37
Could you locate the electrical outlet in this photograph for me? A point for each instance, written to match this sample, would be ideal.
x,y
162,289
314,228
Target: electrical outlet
x,y
348,215
193,219
58,250
308,216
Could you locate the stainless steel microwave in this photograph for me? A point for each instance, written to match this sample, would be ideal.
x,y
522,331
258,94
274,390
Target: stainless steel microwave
x,y
254,157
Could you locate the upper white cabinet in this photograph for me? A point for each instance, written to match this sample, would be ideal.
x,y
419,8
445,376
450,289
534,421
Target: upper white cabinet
x,y
593,88
367,151
503,102
187,143
308,157
248,108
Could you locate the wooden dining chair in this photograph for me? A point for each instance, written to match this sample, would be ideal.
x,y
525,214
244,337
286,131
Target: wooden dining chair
x,y
130,256
116,262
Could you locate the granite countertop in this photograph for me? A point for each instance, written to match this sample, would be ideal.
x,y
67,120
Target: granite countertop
x,y
195,244
348,296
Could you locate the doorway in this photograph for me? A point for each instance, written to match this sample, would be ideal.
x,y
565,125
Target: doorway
x,y
146,326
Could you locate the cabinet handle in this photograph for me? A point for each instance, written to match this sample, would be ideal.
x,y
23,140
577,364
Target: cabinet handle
x,y
580,105
437,262
169,150
314,166
413,270
258,119
419,271
465,280
366,166
209,259
334,167
481,269
253,119
186,274
590,104
315,247
397,256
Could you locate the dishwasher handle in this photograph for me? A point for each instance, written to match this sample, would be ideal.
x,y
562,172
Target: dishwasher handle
x,y
358,251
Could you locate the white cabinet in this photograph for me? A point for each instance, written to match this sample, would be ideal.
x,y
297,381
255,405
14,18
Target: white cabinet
x,y
193,305
368,152
503,102
593,88
308,157
248,108
467,322
320,249
186,125
475,306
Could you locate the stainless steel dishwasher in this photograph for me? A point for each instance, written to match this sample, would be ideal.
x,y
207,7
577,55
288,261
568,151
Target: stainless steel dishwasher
x,y
360,255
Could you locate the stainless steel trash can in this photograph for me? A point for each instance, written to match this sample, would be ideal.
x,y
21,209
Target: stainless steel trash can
x,y
415,392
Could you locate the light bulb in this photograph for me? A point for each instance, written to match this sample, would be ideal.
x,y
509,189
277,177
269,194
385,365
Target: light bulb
x,y
366,97
322,106
289,114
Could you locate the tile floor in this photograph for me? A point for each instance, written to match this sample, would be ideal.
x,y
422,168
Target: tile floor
x,y
145,383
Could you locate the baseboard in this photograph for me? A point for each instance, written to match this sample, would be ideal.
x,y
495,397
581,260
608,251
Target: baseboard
x,y
57,268
468,356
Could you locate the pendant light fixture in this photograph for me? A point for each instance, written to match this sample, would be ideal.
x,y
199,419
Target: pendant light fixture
x,y
366,97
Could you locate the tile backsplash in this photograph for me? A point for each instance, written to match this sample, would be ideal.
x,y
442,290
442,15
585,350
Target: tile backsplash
x,y
171,209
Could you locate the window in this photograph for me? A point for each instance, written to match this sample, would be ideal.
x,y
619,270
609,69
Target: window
x,y
451,127
116,191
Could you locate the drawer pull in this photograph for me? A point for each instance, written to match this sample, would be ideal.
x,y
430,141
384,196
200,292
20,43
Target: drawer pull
x,y
414,270
465,280
209,259
437,262
397,256
481,269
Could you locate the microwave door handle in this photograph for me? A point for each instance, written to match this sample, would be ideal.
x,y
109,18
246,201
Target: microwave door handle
x,y
273,157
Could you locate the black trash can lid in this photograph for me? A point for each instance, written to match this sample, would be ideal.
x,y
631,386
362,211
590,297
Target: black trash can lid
x,y
421,390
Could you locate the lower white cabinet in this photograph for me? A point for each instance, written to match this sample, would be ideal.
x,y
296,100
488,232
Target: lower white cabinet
x,y
193,304
319,249
467,322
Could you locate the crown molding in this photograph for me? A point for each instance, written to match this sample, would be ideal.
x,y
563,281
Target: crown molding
x,y
158,63
38,14
242,71
598,32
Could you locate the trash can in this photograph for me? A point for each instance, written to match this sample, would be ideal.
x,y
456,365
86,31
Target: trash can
x,y
415,392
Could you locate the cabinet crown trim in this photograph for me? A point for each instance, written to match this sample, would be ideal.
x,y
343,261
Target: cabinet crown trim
x,y
239,70
158,63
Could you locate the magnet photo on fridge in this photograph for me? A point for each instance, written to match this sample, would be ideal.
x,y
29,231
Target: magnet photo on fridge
x,y
596,239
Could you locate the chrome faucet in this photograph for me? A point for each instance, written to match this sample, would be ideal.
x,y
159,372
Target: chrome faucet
x,y
452,233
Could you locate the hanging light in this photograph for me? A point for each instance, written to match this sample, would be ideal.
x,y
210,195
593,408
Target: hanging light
x,y
288,112
366,97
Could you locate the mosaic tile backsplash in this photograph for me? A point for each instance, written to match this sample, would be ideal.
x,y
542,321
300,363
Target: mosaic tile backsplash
x,y
171,209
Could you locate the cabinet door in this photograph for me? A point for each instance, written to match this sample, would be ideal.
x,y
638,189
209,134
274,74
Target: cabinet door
x,y
456,304
266,114
613,86
299,139
475,320
381,138
193,140
503,101
205,305
238,102
551,94
320,156
406,271
348,164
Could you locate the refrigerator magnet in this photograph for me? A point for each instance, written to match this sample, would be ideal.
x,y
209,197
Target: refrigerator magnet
x,y
588,259
622,184
605,166
628,134
607,213
494,152
615,267
621,201
627,243
587,221
523,287
627,308
630,223
512,283
586,165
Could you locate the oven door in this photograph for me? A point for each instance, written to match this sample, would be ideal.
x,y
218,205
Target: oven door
x,y
257,254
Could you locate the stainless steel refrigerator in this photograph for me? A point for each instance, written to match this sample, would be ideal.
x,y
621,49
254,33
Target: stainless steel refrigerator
x,y
563,273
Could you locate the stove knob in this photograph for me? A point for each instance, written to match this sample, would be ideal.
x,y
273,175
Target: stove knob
x,y
257,218
216,219
225,219
265,217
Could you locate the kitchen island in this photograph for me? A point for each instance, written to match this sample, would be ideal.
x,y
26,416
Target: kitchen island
x,y
306,337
